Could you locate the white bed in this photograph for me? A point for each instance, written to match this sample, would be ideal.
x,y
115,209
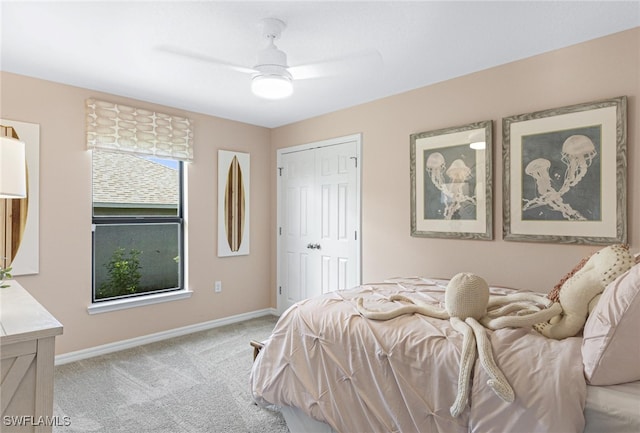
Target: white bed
x,y
613,408
310,369
609,409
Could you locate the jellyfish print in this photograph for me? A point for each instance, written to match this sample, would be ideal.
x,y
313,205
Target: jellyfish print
x,y
547,195
577,153
538,169
458,195
556,189
435,169
458,171
454,189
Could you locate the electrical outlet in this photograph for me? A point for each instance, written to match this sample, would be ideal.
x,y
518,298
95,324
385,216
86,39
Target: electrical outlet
x,y
217,287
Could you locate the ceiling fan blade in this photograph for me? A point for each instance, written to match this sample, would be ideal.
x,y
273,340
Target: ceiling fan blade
x,y
353,64
205,58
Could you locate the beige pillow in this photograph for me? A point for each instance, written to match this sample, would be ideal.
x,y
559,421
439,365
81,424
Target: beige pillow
x,y
611,344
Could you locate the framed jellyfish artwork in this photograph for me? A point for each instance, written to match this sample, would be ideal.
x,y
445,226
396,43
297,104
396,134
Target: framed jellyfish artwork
x,y
451,183
565,174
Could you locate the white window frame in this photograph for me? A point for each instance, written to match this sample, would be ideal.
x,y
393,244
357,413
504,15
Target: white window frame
x,y
139,300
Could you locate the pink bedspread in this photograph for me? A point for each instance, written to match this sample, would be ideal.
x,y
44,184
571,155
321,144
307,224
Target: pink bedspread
x,y
400,375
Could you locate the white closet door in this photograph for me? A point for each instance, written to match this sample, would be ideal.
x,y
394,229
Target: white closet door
x,y
299,227
318,221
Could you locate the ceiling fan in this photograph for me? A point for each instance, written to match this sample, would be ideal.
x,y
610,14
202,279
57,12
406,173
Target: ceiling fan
x,y
272,77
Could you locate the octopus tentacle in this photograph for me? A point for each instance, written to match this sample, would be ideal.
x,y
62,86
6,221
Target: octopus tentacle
x,y
495,301
519,308
497,381
522,321
467,361
424,309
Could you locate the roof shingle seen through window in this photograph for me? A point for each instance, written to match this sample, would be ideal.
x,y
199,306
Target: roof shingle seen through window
x,y
120,178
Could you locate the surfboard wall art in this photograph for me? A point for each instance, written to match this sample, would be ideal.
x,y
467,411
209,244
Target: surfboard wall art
x,y
233,203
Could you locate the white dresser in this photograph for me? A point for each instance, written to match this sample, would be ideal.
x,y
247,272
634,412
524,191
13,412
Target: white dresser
x,y
27,349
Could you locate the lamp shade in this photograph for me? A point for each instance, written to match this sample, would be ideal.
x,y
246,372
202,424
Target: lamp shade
x,y
13,168
271,86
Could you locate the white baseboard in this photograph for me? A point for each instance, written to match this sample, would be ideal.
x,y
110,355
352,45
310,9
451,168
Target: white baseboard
x,y
66,358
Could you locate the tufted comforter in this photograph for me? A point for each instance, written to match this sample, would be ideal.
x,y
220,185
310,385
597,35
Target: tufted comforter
x,y
400,375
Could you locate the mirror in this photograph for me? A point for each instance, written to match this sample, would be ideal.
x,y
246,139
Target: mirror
x,y
13,213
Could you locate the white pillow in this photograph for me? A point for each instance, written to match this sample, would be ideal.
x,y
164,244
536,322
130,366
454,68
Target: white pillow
x,y
611,344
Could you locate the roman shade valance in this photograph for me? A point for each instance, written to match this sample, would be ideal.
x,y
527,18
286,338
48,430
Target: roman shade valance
x,y
120,128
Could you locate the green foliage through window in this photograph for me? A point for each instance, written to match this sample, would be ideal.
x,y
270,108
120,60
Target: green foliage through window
x,y
124,274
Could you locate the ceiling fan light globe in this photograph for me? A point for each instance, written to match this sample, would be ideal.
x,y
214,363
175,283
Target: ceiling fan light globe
x,y
271,86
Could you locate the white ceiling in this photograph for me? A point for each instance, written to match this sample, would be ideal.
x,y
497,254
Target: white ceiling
x,y
115,47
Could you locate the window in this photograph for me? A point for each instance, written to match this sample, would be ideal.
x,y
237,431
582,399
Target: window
x,y
137,225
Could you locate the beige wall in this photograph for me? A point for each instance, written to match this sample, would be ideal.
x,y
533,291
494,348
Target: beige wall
x,y
595,70
64,282
599,69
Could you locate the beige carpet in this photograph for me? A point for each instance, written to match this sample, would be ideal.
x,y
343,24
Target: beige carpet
x,y
194,383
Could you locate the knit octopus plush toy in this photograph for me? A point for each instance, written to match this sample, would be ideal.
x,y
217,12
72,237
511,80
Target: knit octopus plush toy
x,y
470,309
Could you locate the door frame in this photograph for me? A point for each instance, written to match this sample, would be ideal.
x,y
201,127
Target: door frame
x,y
358,242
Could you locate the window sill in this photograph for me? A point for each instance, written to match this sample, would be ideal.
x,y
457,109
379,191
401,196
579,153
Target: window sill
x,y
122,304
